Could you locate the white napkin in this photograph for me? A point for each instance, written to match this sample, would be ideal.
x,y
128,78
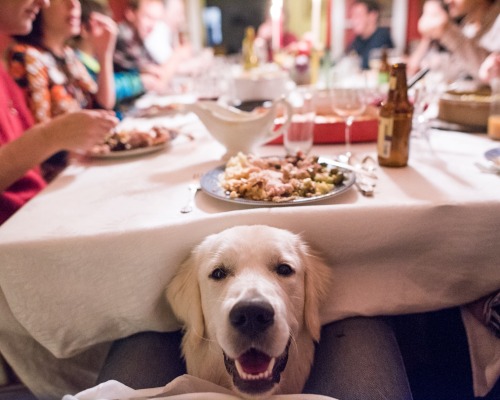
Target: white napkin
x,y
180,388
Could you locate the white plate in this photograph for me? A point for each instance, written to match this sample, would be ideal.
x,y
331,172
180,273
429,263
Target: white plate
x,y
129,153
210,185
493,155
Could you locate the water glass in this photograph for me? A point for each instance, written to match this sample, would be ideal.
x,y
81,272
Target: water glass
x,y
300,135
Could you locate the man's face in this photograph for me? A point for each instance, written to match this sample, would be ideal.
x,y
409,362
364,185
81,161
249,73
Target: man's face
x,y
16,17
362,21
458,8
144,19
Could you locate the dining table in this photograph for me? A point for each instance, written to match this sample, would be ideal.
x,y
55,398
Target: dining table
x,y
88,259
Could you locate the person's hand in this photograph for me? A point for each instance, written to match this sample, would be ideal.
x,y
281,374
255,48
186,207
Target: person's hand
x,y
79,130
151,82
153,69
103,33
490,68
434,20
183,52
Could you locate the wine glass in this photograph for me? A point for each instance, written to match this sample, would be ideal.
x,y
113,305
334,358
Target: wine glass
x,y
348,103
300,134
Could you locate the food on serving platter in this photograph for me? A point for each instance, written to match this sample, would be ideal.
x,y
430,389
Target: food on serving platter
x,y
465,107
278,179
134,139
156,110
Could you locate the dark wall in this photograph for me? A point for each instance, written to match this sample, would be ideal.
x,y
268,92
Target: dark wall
x,y
236,16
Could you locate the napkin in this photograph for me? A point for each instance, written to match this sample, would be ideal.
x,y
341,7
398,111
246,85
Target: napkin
x,y
180,388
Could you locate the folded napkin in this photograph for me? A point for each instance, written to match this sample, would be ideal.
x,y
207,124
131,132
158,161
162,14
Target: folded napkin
x,y
181,388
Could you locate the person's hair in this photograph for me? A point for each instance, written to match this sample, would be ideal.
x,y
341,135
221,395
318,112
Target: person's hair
x,y
35,37
371,5
90,6
133,4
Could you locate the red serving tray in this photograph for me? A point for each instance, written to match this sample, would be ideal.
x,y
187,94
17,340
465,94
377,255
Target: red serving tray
x,y
331,129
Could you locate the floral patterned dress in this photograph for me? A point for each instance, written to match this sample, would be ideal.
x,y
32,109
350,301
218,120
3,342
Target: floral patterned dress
x,y
53,85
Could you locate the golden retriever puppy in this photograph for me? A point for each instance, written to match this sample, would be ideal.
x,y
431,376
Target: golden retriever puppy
x,y
249,299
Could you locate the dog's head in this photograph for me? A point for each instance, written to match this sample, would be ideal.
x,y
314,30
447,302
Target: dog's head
x,y
249,298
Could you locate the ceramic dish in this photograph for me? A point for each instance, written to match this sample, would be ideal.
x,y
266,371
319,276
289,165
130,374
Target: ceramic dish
x,y
493,155
129,153
210,185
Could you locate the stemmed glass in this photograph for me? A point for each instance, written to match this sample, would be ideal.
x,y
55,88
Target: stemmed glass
x,y
348,103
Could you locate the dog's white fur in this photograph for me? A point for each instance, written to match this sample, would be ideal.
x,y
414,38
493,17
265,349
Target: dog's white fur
x,y
251,255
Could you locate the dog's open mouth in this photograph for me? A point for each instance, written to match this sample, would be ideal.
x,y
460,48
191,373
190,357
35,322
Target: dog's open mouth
x,y
256,372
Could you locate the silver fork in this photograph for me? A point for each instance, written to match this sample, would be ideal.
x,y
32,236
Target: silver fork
x,y
193,189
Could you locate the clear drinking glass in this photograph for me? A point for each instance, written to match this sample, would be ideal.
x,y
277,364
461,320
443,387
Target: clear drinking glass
x,y
348,103
300,134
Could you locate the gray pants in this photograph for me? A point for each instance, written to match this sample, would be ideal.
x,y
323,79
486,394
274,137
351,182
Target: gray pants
x,y
357,358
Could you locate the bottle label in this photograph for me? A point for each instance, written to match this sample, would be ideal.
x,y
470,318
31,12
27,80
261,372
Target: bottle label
x,y
393,80
385,131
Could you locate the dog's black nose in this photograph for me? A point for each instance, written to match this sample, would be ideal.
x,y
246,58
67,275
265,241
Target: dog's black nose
x,y
252,317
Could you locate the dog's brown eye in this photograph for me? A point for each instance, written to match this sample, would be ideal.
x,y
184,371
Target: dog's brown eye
x,y
284,270
218,273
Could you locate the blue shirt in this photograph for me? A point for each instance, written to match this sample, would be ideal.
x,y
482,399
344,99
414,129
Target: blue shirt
x,y
380,38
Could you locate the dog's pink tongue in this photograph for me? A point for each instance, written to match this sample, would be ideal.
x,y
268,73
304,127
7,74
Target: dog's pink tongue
x,y
254,362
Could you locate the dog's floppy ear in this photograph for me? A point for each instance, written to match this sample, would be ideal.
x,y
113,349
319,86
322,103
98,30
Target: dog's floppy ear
x,y
183,294
317,279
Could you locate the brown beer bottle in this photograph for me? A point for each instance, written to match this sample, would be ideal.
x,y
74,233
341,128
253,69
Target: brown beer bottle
x,y
394,124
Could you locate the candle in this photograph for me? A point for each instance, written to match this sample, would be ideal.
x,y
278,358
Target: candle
x,y
329,25
316,23
275,11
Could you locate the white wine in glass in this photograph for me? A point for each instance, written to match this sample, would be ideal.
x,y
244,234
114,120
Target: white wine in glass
x,y
348,103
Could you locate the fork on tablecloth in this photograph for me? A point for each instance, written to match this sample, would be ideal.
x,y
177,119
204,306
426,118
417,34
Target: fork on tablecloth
x,y
193,189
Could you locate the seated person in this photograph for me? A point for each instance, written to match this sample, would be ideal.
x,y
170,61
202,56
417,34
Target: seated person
x,y
468,30
128,84
356,359
169,41
24,146
53,78
141,17
365,16
169,33
47,69
435,348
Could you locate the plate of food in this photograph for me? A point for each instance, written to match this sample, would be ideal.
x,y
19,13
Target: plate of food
x,y
133,142
275,181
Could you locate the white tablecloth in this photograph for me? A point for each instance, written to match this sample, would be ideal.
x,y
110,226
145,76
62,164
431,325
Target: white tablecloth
x,y
88,259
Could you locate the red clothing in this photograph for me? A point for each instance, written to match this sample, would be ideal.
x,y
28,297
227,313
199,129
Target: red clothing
x,y
15,118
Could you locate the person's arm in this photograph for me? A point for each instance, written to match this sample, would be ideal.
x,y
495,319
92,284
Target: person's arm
x,y
128,85
72,131
103,35
468,51
414,61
